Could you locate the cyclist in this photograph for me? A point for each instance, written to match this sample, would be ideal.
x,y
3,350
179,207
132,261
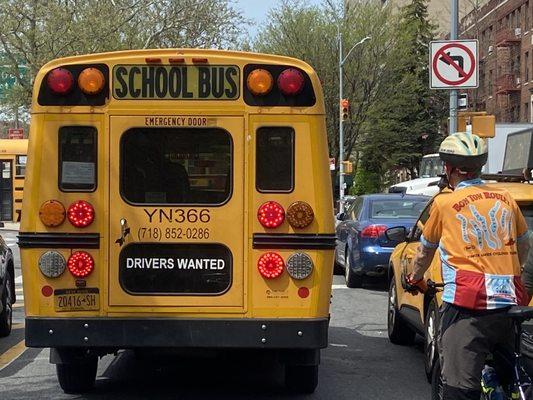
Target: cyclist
x,y
481,236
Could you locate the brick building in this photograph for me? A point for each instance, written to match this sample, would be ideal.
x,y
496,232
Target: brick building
x,y
504,29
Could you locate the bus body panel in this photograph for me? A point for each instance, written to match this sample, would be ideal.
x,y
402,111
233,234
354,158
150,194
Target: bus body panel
x,y
12,170
253,311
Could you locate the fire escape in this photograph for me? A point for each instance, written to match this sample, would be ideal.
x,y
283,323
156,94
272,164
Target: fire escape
x,y
508,85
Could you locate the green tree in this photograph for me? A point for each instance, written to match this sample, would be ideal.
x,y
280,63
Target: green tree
x,y
310,33
404,124
34,32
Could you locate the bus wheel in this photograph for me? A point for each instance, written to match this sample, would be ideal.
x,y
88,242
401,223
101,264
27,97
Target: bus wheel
x,y
301,378
6,316
77,377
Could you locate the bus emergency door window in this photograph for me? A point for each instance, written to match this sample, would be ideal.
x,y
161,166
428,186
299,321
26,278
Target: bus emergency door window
x,y
77,158
275,159
176,166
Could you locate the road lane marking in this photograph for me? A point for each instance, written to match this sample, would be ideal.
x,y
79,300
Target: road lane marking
x,y
12,354
338,345
18,279
18,305
18,326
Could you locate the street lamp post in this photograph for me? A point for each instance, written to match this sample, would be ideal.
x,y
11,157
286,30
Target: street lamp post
x,y
341,130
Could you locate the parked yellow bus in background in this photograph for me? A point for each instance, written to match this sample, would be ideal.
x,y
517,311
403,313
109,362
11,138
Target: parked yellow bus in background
x,y
177,199
12,171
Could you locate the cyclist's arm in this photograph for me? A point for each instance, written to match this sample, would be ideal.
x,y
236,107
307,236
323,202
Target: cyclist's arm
x,y
429,242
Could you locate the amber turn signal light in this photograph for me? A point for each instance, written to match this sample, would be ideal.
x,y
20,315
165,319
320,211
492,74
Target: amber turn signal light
x,y
260,82
91,81
52,213
300,214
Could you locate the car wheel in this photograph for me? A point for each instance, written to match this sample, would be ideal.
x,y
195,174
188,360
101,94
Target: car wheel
x,y
398,330
301,379
430,338
437,385
352,279
77,377
6,316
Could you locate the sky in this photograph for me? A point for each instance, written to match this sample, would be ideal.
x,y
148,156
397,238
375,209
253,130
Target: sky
x,y
257,11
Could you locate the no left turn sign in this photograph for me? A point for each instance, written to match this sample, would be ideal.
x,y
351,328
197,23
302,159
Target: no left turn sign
x,y
453,64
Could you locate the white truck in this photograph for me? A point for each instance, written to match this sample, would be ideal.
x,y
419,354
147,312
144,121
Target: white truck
x,y
431,166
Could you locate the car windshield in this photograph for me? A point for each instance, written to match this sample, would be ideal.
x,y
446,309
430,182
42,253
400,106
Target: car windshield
x,y
431,167
398,208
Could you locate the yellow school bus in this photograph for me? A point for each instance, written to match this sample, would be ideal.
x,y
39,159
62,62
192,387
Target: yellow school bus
x,y
177,199
12,171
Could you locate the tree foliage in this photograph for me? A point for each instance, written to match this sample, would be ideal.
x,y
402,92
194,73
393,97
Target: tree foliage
x,y
404,122
34,32
310,33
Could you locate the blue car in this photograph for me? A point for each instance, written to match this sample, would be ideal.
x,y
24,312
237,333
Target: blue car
x,y
362,248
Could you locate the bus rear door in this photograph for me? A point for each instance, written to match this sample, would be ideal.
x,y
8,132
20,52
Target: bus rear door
x,y
176,214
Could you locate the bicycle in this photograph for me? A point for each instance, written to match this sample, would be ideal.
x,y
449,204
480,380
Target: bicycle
x,y
515,383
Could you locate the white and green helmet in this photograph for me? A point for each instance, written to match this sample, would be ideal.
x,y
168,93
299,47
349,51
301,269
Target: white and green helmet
x,y
463,150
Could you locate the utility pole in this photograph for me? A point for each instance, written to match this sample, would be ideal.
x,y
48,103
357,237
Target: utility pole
x,y
454,93
341,122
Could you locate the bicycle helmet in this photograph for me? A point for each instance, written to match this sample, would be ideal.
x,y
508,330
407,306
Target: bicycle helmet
x,y
465,151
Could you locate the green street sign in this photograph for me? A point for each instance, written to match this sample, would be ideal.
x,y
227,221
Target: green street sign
x,y
7,79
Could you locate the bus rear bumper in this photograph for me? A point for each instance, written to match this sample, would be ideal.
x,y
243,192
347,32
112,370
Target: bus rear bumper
x,y
124,333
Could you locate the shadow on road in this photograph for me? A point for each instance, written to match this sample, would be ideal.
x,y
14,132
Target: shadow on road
x,y
367,368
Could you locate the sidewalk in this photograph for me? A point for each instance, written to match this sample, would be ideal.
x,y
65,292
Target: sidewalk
x,y
9,226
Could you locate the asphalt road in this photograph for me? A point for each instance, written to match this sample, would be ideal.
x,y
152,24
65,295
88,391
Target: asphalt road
x,y
360,363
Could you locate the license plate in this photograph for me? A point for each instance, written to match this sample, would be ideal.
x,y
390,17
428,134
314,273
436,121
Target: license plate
x,y
87,299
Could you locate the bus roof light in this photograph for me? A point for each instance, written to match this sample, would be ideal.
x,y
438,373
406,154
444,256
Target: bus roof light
x,y
291,82
91,81
198,60
270,265
176,60
60,81
260,82
80,264
153,60
80,214
271,214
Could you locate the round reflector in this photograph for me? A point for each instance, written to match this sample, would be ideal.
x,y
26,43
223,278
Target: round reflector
x,y
52,264
299,266
260,82
271,214
80,214
91,81
60,81
300,214
270,265
47,291
80,264
52,213
291,82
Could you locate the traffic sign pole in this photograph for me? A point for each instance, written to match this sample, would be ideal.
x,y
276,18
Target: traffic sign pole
x,y
454,92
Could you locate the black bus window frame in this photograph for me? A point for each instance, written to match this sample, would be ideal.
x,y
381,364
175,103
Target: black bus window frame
x,y
60,183
272,129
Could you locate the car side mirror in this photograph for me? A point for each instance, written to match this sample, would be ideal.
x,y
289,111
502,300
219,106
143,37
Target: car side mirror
x,y
340,216
396,234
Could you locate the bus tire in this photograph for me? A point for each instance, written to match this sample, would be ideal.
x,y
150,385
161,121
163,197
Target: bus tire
x,y
398,330
78,377
6,316
301,379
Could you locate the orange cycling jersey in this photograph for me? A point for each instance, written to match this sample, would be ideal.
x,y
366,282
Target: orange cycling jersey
x,y
476,229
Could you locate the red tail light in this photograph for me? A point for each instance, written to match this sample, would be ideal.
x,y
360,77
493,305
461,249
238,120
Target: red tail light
x,y
291,82
80,264
80,214
271,214
270,265
373,231
60,81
